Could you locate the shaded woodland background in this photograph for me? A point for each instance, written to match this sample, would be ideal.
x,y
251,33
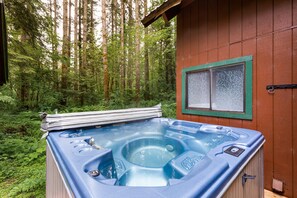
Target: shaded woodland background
x,y
76,55
64,56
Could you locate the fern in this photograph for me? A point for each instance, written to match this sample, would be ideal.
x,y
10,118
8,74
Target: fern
x,y
6,99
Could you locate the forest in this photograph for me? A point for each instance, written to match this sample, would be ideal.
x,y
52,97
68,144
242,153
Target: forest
x,y
76,55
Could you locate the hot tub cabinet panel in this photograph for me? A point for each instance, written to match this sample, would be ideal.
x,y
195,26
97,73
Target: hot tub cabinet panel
x,y
55,183
155,158
253,187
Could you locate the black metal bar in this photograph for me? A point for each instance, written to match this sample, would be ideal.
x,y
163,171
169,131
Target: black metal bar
x,y
286,86
3,46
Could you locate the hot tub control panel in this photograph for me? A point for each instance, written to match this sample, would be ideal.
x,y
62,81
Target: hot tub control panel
x,y
234,150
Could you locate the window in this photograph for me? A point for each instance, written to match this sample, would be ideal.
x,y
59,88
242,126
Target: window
x,y
221,89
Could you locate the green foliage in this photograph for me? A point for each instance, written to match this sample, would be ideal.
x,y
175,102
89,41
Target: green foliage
x,y
22,156
35,85
169,110
6,100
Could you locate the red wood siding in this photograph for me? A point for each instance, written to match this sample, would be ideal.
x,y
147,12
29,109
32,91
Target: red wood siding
x,y
214,30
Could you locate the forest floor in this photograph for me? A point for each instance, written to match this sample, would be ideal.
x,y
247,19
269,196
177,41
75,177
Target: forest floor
x,y
22,151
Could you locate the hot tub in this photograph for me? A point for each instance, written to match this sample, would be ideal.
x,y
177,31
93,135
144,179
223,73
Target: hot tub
x,y
153,157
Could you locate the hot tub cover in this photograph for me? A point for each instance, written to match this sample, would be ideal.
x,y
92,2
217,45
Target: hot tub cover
x,y
53,122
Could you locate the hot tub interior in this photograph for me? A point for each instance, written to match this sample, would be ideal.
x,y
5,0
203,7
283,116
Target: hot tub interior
x,y
148,153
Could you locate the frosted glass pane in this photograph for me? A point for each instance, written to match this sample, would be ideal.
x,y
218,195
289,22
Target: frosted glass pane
x,y
199,90
228,89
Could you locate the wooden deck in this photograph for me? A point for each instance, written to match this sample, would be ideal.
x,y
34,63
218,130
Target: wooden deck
x,y
269,194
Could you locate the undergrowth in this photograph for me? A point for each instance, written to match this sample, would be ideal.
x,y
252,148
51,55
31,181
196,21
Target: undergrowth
x,y
22,156
22,152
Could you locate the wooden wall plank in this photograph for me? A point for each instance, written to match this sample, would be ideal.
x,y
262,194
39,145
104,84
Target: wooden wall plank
x,y
283,110
265,102
235,21
202,14
294,10
282,14
264,16
188,43
295,112
179,58
202,57
212,56
249,19
188,36
249,47
194,28
235,50
212,24
223,23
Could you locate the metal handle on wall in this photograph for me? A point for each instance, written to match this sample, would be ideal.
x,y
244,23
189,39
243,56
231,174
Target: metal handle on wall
x,y
272,88
246,177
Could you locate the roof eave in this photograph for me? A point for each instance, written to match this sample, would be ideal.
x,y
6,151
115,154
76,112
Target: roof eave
x,y
161,10
167,10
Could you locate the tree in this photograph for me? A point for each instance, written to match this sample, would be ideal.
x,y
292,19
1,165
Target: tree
x,y
137,51
65,53
75,43
75,40
146,59
130,47
122,40
55,43
104,49
131,63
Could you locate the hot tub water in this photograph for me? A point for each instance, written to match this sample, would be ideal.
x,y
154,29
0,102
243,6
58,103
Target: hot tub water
x,y
146,153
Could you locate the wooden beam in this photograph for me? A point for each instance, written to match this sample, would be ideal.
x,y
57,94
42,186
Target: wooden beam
x,y
154,15
165,18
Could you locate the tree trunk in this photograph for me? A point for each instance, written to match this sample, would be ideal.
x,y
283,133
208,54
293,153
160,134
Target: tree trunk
x,y
85,35
112,16
80,43
83,48
69,34
122,62
130,53
168,60
55,48
65,53
52,32
75,41
104,48
146,60
92,36
137,50
24,84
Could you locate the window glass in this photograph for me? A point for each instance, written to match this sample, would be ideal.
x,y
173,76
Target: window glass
x,y
228,88
198,90
219,89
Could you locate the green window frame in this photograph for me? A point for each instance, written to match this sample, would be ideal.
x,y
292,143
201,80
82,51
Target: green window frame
x,y
210,90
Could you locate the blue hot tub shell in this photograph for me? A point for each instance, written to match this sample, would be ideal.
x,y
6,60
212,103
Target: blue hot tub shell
x,y
188,169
